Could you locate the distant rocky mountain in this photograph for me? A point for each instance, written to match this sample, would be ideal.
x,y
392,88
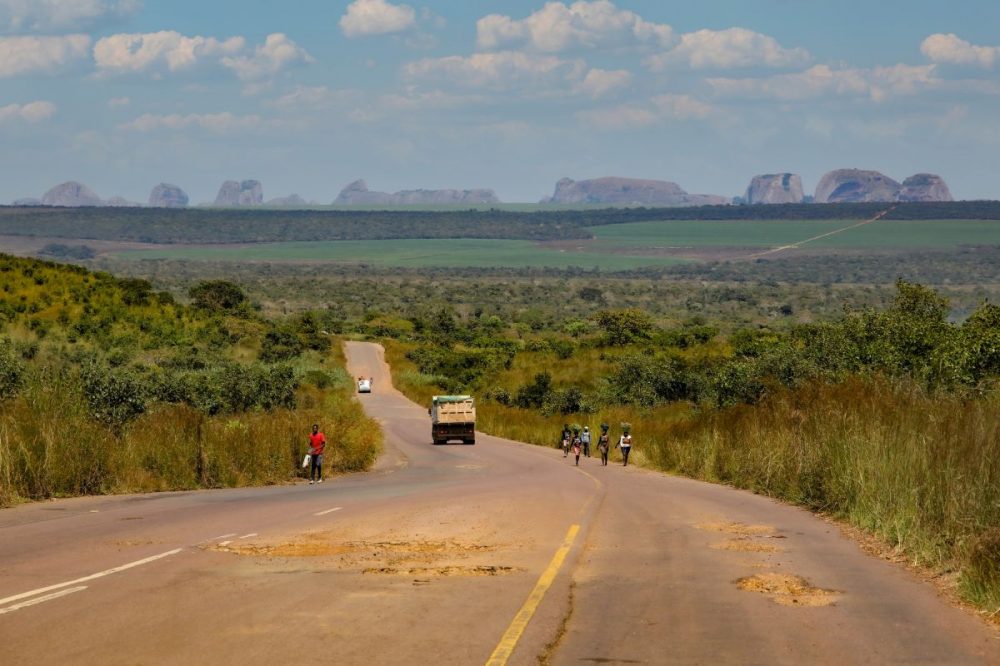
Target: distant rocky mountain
x,y
293,201
856,185
925,187
165,195
775,188
71,194
629,192
245,193
358,194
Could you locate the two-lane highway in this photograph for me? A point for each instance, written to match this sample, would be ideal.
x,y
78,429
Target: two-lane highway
x,y
459,555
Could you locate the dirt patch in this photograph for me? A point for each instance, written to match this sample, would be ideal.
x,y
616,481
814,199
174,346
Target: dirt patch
x,y
788,590
739,529
746,545
484,570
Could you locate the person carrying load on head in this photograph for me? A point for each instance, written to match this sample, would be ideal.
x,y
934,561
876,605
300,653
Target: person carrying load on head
x,y
604,444
625,443
585,440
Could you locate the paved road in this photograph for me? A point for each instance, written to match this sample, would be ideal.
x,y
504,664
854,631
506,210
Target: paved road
x,y
454,555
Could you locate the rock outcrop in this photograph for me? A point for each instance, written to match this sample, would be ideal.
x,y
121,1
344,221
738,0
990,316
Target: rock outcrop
x,y
293,201
358,194
925,187
629,192
71,194
775,188
165,195
246,193
856,186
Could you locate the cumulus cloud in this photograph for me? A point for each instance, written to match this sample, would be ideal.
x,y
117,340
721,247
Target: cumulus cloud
x,y
32,112
132,53
502,70
878,83
952,49
661,108
560,27
61,15
275,54
29,55
727,49
376,17
600,82
213,122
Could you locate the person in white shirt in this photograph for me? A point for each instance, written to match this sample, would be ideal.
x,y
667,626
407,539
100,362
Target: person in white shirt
x,y
625,444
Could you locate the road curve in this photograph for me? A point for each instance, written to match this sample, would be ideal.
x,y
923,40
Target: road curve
x,y
454,555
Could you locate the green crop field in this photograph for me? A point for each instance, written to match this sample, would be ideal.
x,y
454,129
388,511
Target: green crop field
x,y
614,247
884,234
415,253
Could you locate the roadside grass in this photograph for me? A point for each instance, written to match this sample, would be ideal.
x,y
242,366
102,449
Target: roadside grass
x,y
918,470
51,447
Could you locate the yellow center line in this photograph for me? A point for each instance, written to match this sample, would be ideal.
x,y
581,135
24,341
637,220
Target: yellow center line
x,y
510,638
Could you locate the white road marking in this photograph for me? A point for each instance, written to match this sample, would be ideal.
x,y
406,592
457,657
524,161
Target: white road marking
x,y
247,536
224,536
99,574
40,600
323,513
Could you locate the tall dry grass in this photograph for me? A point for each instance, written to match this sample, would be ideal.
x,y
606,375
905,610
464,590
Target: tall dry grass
x,y
50,447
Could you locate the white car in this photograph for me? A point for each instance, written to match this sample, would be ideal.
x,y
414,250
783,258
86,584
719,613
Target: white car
x,y
364,386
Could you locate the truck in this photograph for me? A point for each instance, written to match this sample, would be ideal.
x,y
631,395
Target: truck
x,y
453,417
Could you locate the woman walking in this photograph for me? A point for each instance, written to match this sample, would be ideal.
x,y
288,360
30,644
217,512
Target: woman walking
x,y
625,444
577,445
604,444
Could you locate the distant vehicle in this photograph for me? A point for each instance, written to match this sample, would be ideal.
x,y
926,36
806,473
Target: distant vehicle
x,y
364,385
453,417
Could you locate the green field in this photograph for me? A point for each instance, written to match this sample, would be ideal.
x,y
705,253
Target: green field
x,y
414,253
615,247
884,234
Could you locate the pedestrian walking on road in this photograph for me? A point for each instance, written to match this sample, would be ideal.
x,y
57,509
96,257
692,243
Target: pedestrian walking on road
x,y
625,444
585,440
577,445
317,444
565,438
604,444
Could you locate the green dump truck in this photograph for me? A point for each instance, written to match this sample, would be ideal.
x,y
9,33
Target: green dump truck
x,y
453,417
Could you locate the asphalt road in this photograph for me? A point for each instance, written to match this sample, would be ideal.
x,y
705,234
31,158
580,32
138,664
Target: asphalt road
x,y
459,555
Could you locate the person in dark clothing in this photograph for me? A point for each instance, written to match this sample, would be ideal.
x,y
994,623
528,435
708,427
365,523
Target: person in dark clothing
x,y
317,444
565,439
604,444
577,445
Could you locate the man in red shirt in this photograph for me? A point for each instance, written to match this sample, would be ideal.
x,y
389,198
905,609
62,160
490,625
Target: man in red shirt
x,y
317,444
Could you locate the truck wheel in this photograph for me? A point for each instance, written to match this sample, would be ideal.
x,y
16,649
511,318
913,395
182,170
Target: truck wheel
x,y
471,441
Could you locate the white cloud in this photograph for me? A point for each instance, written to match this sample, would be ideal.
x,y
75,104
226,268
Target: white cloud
x,y
600,82
213,122
726,49
61,15
276,53
952,49
28,55
376,17
125,53
32,112
878,83
560,27
660,109
503,70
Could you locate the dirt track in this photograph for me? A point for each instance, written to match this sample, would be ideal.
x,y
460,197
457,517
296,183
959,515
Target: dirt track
x,y
430,557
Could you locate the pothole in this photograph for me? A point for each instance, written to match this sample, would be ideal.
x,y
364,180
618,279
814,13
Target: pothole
x,y
746,545
788,590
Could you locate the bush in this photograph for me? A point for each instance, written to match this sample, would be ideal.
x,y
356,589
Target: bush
x,y
115,396
11,373
280,344
535,394
217,296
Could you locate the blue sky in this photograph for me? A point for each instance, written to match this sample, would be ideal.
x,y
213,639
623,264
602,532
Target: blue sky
x,y
308,95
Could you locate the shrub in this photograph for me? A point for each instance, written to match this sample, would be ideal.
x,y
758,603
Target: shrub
x,y
11,373
280,344
115,396
217,296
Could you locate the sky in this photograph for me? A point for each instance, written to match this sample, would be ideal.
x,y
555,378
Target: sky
x,y
309,95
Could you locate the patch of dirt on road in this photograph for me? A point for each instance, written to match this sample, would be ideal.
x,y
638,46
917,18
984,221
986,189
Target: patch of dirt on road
x,y
746,545
739,529
788,590
485,570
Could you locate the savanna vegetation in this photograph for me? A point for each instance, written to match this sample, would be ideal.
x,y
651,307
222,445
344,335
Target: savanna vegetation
x,y
107,385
